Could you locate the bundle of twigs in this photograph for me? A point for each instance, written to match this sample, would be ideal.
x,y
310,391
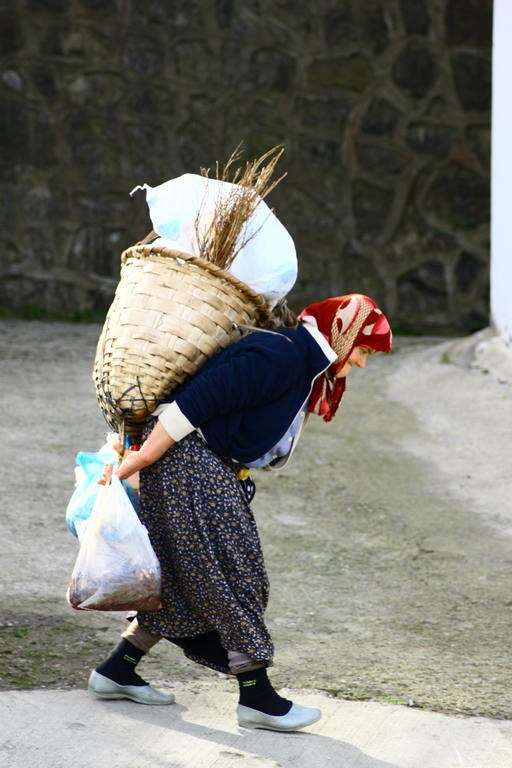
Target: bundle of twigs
x,y
224,238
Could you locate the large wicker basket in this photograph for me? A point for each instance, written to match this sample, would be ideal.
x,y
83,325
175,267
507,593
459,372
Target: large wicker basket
x,y
170,313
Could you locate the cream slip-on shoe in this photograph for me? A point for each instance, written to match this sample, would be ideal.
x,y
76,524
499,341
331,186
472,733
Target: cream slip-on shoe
x,y
104,688
298,717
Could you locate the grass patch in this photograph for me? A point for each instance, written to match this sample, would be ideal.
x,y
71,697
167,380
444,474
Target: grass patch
x,y
20,632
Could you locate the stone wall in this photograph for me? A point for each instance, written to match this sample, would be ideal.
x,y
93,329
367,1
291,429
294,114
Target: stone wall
x,y
383,107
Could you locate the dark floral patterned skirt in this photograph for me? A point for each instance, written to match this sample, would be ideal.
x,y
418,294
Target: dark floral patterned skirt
x,y
205,536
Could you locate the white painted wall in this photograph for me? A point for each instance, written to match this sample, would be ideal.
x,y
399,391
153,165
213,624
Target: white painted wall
x,y
501,172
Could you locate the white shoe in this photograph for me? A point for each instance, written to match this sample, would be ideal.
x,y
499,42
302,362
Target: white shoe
x,y
103,688
298,717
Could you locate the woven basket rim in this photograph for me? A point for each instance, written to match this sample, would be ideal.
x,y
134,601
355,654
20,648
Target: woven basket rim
x,y
256,299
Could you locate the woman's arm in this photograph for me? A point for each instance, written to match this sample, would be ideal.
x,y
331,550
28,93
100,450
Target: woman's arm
x,y
151,450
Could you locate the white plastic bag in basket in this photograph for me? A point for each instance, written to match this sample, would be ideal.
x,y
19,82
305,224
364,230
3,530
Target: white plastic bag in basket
x,y
267,262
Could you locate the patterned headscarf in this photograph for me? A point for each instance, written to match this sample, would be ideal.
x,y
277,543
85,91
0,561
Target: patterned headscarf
x,y
346,322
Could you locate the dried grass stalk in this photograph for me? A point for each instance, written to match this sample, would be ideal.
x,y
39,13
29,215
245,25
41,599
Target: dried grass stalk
x,y
224,238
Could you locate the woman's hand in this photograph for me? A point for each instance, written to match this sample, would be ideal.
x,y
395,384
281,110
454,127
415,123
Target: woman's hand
x,y
158,442
108,470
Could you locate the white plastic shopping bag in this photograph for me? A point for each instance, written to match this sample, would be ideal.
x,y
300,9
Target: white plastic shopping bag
x,y
116,568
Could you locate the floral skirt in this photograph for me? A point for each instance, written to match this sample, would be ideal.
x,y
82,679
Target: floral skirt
x,y
205,536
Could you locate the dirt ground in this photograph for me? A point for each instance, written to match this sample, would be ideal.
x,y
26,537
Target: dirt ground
x,y
387,539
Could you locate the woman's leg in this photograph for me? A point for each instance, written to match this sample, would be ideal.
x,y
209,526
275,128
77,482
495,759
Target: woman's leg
x,y
140,637
259,704
116,678
206,539
205,649
256,690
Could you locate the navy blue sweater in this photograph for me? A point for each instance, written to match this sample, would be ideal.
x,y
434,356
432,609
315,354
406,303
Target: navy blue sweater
x,y
245,398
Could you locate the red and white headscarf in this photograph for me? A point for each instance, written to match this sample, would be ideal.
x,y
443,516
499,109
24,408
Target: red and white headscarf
x,y
346,322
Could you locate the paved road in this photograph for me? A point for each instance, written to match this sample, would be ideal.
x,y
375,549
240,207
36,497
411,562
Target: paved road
x,y
387,543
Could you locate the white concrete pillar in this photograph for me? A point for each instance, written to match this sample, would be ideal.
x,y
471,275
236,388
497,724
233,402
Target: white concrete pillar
x,y
501,172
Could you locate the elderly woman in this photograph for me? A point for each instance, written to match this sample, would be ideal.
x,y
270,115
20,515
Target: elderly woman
x,y
245,408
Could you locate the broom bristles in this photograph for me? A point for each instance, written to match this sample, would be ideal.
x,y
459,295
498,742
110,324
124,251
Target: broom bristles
x,y
224,238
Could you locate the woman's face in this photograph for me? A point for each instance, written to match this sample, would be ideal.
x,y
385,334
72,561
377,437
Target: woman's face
x,y
357,357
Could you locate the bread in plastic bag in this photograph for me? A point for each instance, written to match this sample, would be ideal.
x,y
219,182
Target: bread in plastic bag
x,y
116,568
